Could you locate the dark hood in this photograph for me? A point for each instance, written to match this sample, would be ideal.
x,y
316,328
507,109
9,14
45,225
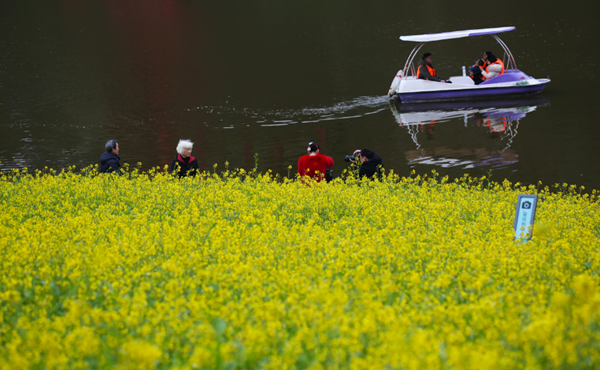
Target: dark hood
x,y
371,168
374,162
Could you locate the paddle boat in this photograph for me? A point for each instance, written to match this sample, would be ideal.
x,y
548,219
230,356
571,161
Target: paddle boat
x,y
408,88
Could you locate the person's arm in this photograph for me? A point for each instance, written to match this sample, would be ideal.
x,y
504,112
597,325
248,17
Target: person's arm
x,y
493,69
329,162
194,168
301,169
355,154
172,167
425,73
488,75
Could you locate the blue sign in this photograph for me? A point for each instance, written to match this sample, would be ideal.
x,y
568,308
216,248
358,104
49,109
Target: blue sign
x,y
523,225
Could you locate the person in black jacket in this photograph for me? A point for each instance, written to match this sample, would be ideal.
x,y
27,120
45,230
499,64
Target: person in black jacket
x,y
476,71
184,164
109,160
371,164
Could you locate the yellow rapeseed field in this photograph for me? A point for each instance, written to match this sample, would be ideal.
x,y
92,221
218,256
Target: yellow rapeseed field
x,y
244,271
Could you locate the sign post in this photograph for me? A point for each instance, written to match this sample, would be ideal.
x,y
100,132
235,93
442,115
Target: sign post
x,y
525,215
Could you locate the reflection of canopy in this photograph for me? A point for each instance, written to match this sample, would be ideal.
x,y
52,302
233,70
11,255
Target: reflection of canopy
x,y
455,34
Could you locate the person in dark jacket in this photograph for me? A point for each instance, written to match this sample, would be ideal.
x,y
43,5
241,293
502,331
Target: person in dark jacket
x,y
371,164
425,70
184,164
476,71
109,160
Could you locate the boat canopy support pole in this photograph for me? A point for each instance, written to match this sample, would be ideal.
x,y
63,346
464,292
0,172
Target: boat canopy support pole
x,y
411,57
511,59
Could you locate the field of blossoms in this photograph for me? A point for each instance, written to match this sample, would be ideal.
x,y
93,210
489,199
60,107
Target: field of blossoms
x,y
246,271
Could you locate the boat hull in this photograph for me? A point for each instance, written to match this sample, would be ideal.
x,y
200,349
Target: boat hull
x,y
512,82
455,94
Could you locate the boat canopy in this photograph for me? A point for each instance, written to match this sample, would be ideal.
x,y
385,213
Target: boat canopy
x,y
455,34
508,59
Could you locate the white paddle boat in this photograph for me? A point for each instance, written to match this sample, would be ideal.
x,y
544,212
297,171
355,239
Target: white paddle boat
x,y
409,88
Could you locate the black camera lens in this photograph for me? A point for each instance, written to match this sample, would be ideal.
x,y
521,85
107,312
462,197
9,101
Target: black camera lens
x,y
350,157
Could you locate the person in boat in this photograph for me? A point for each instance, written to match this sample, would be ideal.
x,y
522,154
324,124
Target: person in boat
x,y
493,66
371,164
184,164
476,72
109,160
425,71
314,164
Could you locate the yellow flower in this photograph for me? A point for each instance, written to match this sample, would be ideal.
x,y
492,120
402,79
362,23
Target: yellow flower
x,y
139,355
246,270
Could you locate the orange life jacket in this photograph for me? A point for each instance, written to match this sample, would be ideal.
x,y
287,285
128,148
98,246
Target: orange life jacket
x,y
498,61
431,71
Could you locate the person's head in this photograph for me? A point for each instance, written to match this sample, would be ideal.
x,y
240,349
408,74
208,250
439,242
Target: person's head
x,y
428,58
489,56
112,146
366,154
313,148
184,147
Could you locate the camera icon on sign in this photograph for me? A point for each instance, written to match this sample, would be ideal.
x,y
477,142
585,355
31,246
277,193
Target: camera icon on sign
x,y
526,205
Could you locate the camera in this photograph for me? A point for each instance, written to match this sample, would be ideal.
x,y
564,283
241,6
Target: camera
x,y
351,157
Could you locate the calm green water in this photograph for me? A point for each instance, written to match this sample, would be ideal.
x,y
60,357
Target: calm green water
x,y
267,77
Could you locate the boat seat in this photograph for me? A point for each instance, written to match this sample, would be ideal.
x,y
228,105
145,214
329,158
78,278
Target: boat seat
x,y
462,80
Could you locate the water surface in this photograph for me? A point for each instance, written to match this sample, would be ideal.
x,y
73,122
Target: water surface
x,y
267,77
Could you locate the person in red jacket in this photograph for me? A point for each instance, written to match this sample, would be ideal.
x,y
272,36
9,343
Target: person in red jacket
x,y
314,161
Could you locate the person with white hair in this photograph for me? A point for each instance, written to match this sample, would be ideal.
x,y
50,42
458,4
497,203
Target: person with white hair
x,y
184,164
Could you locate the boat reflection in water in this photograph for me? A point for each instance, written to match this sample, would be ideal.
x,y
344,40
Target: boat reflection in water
x,y
457,134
